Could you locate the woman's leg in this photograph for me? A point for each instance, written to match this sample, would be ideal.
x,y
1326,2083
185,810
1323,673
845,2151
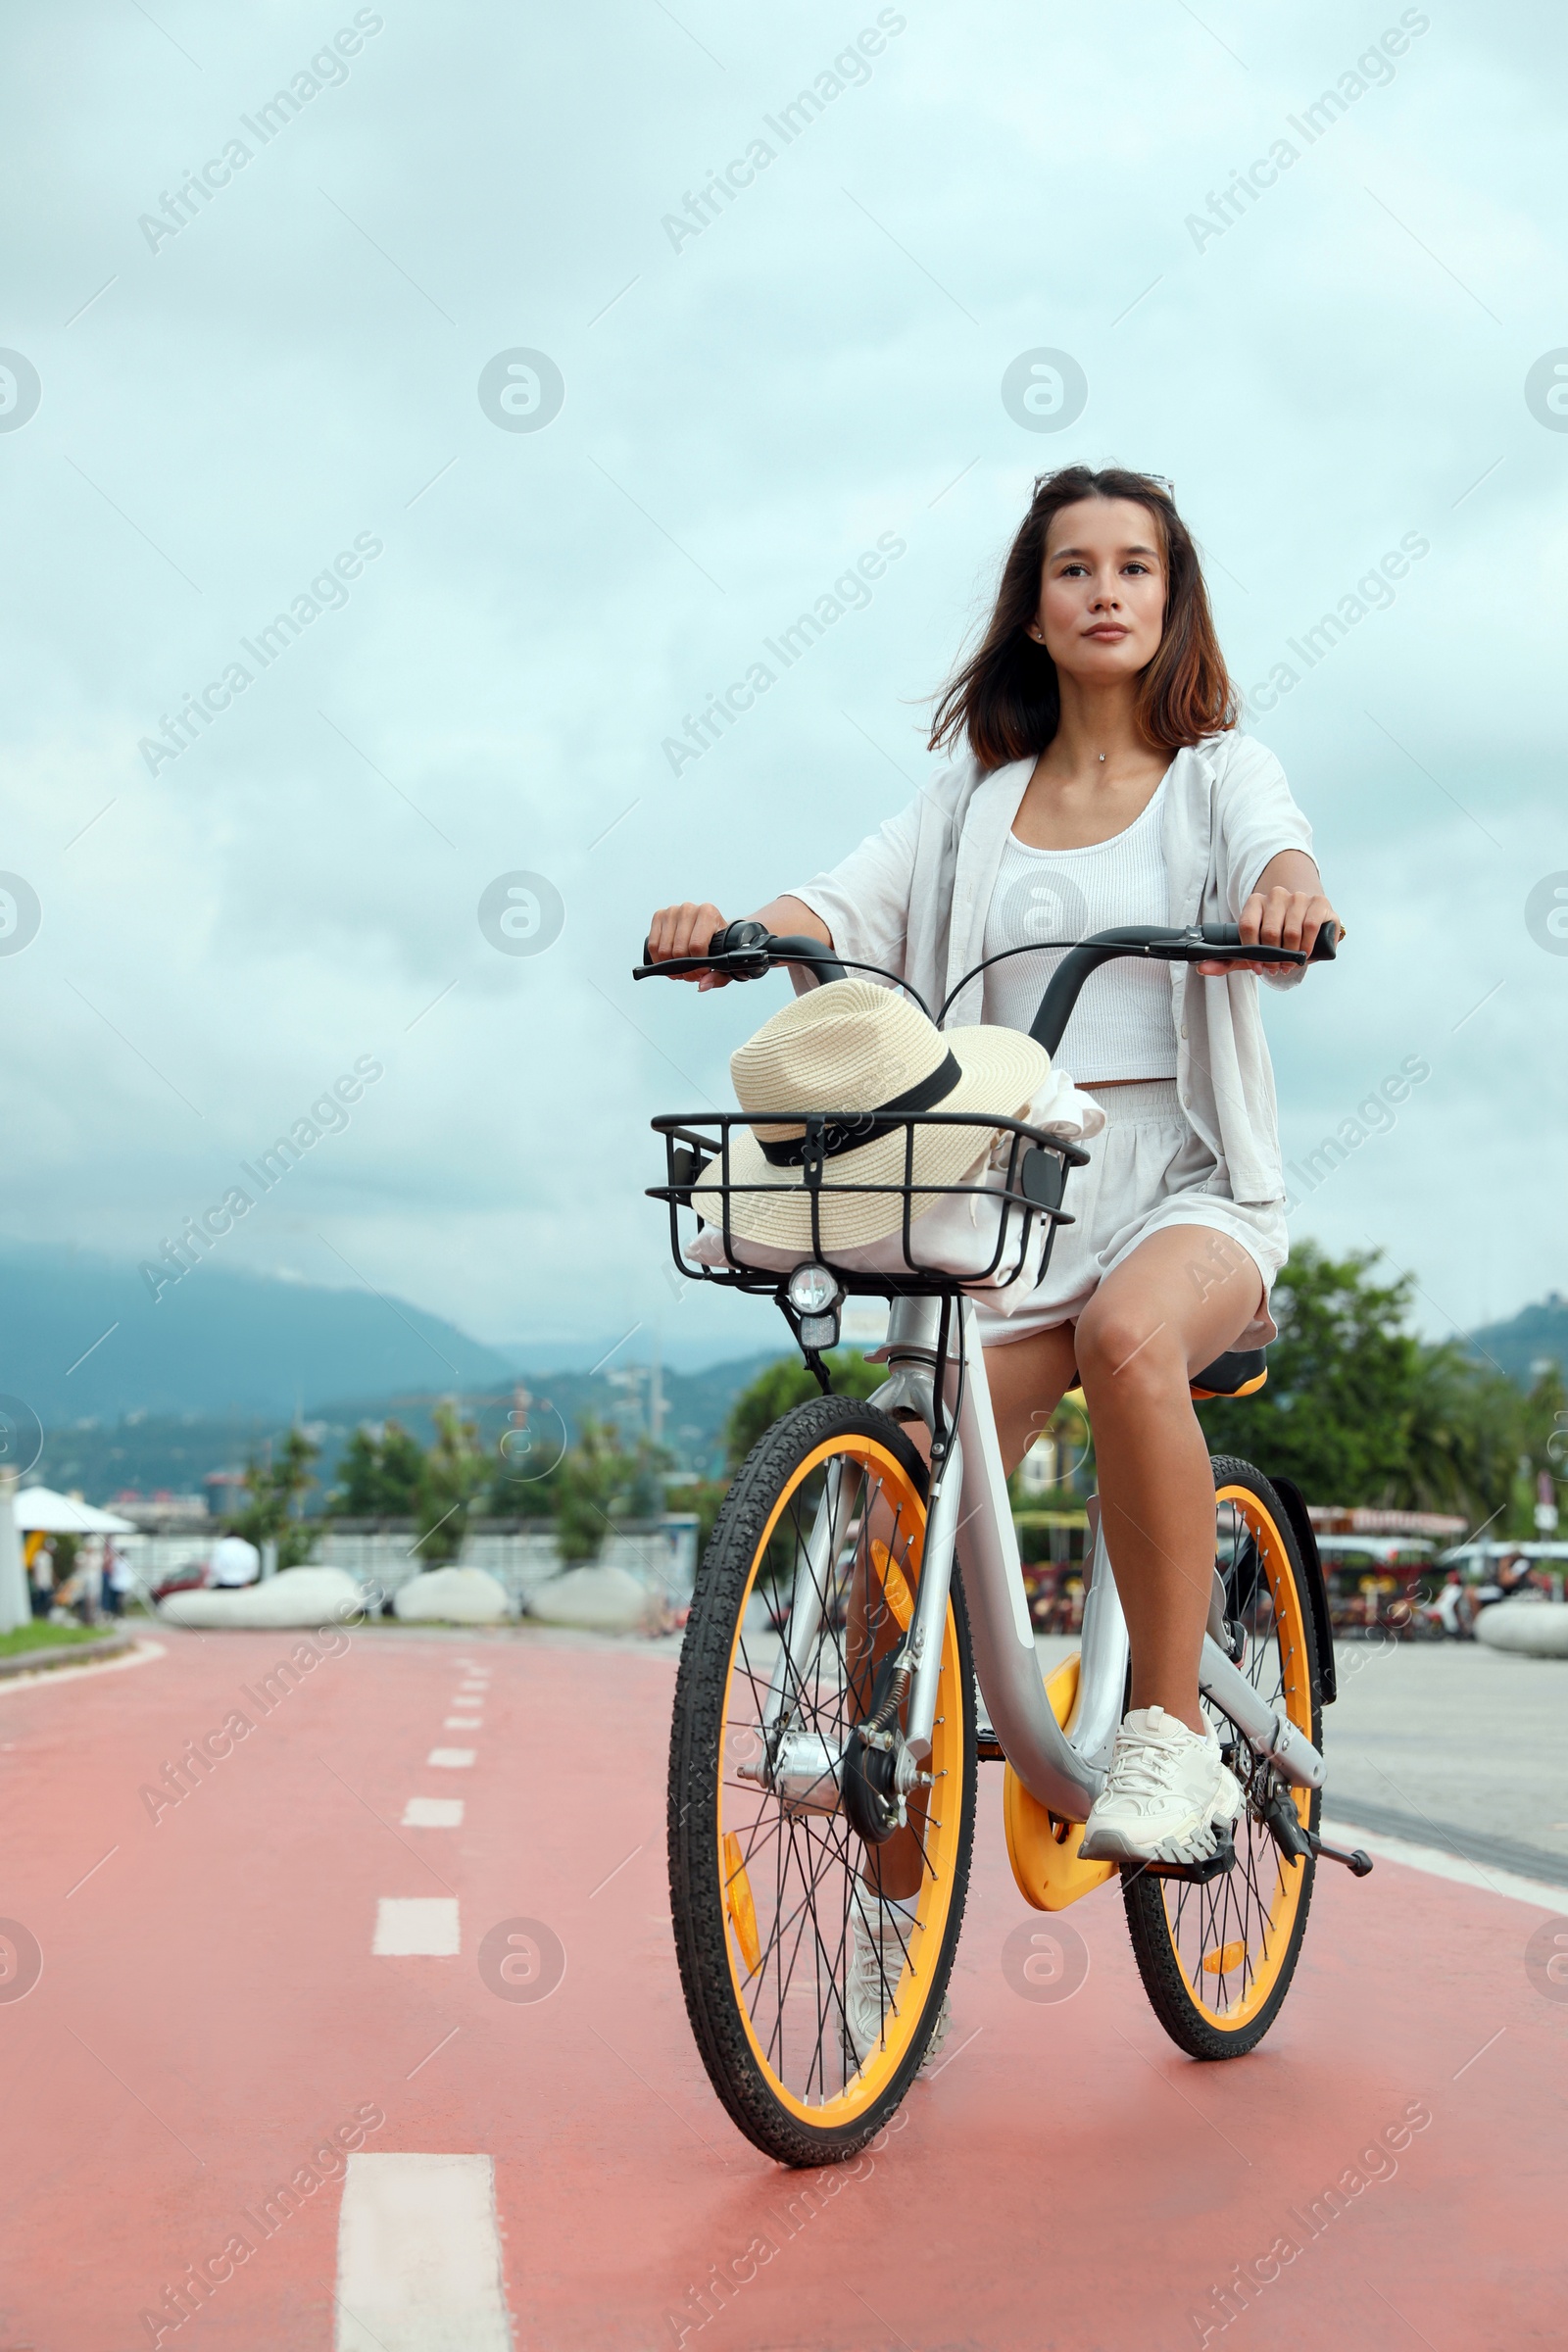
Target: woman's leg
x,y
1028,1379
1181,1298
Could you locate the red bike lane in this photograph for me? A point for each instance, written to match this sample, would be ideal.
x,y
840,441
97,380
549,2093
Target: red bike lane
x,y
215,2043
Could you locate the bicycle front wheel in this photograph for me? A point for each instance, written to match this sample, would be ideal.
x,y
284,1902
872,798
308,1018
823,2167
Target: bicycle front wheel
x,y
1217,1956
814,1960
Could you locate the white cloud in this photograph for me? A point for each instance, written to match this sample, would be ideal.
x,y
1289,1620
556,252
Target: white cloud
x,y
817,368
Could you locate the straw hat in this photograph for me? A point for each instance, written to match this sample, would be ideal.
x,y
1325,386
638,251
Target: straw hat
x,y
846,1050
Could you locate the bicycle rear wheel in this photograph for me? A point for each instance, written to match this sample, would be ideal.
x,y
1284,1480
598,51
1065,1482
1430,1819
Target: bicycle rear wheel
x,y
772,1888
1216,1957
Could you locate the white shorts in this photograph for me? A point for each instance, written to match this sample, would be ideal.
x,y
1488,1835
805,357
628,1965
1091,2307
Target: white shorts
x,y
1147,1171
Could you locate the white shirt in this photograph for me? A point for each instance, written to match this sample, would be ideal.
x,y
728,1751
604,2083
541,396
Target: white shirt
x,y
234,1561
1122,1025
914,896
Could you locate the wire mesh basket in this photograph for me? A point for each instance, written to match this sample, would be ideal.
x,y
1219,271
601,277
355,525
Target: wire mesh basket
x,y
1018,1178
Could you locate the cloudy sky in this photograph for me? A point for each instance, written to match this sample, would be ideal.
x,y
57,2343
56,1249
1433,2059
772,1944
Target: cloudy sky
x,y
212,391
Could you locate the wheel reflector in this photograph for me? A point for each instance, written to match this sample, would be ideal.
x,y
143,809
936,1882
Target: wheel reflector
x,y
1220,1963
895,1586
740,1906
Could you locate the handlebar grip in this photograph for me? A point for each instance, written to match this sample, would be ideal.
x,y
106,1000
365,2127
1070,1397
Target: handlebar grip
x,y
1229,935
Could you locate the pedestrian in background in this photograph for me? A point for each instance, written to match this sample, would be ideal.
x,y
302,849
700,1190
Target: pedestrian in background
x,y
90,1580
118,1578
41,1578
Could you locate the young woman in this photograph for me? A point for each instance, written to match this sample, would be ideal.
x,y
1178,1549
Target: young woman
x,y
1105,784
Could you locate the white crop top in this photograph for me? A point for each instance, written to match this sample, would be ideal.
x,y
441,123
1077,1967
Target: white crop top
x,y
1122,1025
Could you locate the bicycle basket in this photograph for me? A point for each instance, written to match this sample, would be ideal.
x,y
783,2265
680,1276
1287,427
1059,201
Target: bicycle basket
x,y
983,1233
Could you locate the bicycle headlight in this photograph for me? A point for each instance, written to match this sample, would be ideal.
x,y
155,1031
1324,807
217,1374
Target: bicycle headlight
x,y
814,1291
815,1297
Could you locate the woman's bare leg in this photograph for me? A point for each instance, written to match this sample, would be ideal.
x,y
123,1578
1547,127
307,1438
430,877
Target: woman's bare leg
x,y
1028,1379
1181,1298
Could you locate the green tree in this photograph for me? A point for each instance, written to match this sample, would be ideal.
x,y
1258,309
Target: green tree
x,y
602,1479
455,1468
277,1489
381,1475
586,1485
1463,1448
781,1386
1543,1430
1358,1409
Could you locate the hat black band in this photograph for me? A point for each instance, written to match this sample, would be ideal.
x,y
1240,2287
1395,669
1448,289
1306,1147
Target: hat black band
x,y
825,1139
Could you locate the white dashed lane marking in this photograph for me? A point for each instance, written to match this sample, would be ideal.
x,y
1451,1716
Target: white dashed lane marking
x,y
454,1758
417,1924
418,2257
433,1813
462,1723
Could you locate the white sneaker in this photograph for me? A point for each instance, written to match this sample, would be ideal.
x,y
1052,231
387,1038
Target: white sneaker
x,y
879,1937
1165,1795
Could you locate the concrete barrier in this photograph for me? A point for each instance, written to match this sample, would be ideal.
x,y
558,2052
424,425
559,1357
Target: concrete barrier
x,y
600,1601
1530,1628
452,1596
296,1597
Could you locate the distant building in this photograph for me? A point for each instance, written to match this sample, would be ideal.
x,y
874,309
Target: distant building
x,y
162,1513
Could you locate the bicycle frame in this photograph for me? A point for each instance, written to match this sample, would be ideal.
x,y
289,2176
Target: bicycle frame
x,y
969,1518
1062,1766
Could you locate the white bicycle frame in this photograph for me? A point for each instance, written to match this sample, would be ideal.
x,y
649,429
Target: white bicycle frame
x,y
969,1516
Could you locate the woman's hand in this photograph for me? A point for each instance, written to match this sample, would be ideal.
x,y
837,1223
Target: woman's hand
x,y
686,930
1287,909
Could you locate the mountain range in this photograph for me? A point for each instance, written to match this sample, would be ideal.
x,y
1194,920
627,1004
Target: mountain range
x,y
129,1392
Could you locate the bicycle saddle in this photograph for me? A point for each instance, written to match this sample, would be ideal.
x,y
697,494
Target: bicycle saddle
x,y
1239,1372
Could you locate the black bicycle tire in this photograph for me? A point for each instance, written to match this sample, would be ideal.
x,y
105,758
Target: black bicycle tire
x,y
696,1728
1143,1895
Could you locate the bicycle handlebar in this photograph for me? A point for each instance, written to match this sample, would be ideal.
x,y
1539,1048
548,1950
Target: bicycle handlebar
x,y
746,950
1203,943
743,951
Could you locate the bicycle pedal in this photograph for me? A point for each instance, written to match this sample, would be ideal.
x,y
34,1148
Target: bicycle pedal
x,y
1223,1858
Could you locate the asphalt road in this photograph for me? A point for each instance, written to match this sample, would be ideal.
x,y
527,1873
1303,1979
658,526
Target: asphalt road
x,y
276,2075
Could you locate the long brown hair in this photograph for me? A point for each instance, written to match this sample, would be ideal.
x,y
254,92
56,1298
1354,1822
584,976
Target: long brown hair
x,y
1006,700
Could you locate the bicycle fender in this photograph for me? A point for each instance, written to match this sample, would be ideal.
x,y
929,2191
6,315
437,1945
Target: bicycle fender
x,y
1317,1592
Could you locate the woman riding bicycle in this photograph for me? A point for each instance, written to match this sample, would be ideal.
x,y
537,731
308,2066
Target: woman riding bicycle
x,y
1105,784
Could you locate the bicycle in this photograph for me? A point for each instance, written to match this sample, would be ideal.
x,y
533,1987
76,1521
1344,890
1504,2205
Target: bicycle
x,y
822,1750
